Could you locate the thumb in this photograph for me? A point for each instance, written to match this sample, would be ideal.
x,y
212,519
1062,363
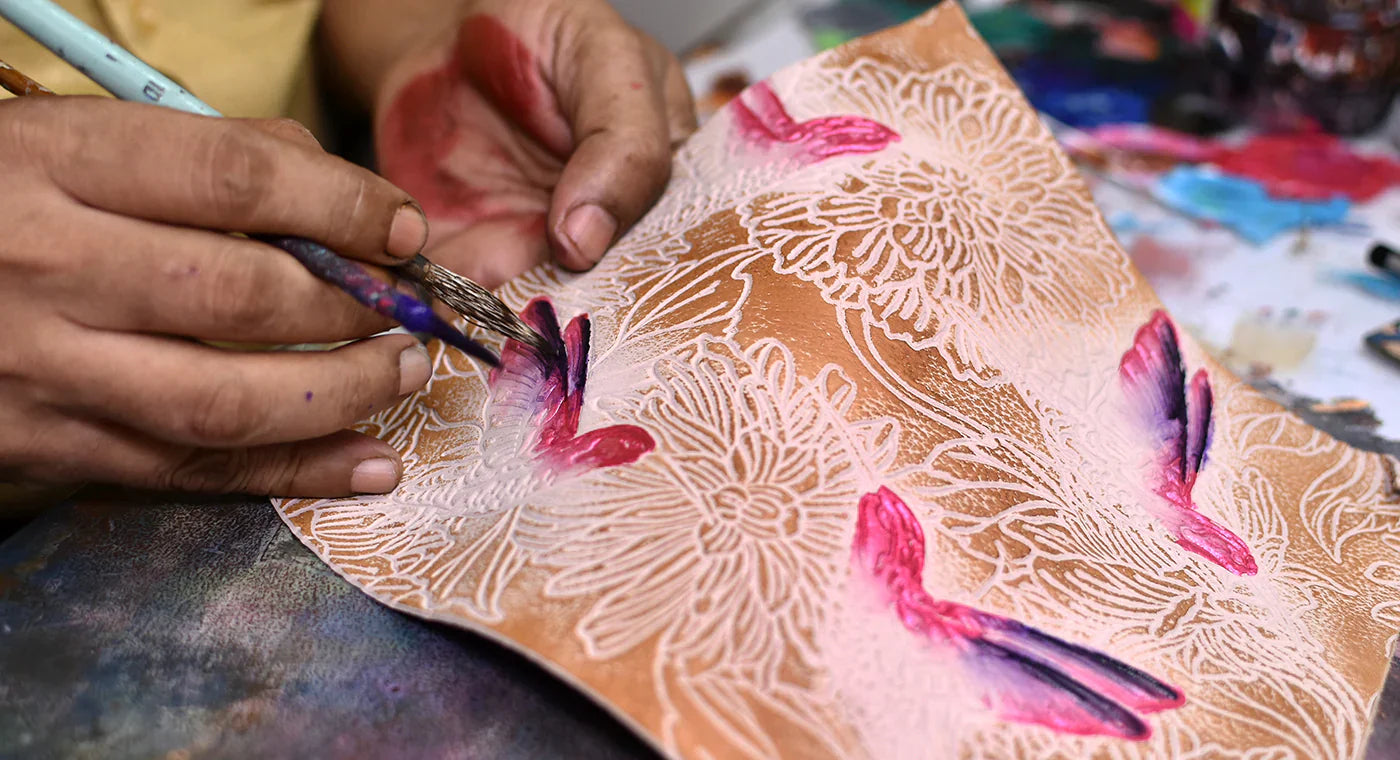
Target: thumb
x,y
613,99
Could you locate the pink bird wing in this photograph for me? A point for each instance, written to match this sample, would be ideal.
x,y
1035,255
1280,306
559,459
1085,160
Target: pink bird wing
x,y
1024,689
889,543
1026,675
528,386
1108,676
1154,380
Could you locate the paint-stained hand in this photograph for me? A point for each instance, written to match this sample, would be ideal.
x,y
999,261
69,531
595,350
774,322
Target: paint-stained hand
x,y
113,257
530,127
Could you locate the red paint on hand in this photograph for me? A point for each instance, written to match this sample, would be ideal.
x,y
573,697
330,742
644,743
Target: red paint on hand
x,y
499,65
474,138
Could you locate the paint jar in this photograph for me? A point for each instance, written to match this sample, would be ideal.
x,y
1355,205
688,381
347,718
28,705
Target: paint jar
x,y
1301,64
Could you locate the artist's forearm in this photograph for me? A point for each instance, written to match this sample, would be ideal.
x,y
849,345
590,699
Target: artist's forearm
x,y
362,38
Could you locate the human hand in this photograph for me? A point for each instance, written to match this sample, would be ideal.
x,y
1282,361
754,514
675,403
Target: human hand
x,y
112,259
529,127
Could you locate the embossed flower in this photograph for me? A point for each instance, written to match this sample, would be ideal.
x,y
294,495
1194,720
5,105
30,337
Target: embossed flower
x,y
725,541
962,222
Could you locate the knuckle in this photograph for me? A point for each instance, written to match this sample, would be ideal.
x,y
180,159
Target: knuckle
x,y
237,296
653,155
205,470
26,126
230,471
649,157
618,43
353,392
239,172
226,413
293,130
44,450
351,213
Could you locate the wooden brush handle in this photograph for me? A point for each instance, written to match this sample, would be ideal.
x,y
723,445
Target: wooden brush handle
x,y
19,84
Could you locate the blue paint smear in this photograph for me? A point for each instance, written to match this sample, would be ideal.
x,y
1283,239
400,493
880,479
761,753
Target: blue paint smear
x,y
1380,286
1243,205
1083,95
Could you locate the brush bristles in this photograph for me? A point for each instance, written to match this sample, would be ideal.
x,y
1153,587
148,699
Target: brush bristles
x,y
476,304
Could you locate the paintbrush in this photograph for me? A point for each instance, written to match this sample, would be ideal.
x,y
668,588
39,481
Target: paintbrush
x,y
130,78
18,84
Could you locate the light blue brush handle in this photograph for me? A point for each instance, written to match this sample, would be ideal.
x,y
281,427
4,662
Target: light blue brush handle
x,y
100,59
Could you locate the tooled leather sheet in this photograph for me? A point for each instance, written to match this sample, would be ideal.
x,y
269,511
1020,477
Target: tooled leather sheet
x,y
870,442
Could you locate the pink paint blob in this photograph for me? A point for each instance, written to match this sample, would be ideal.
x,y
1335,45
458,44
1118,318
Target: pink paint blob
x,y
1161,263
1179,417
762,121
1027,676
1155,141
550,390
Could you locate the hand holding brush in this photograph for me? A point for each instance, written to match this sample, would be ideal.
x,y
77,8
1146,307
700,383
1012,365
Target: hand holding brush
x,y
114,258
124,207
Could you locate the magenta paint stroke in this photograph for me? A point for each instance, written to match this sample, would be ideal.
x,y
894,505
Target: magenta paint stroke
x,y
761,119
549,391
1026,675
1177,415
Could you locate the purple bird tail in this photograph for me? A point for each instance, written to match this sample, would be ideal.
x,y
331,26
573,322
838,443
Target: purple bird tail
x,y
1026,675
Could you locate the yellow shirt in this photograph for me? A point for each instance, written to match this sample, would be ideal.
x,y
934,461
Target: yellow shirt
x,y
246,58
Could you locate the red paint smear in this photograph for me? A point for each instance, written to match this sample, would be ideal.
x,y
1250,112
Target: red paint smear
x,y
552,388
1311,167
763,121
1027,676
499,65
1179,416
417,135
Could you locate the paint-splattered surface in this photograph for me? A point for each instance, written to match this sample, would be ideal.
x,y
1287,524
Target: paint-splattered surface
x,y
207,630
1293,312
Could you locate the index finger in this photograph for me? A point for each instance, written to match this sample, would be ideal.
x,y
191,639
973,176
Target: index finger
x,y
196,171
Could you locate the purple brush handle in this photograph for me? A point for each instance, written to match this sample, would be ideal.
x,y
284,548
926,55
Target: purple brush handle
x,y
354,279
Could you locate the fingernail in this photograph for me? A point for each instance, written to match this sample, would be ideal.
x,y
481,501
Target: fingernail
x,y
409,231
374,476
589,230
414,369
